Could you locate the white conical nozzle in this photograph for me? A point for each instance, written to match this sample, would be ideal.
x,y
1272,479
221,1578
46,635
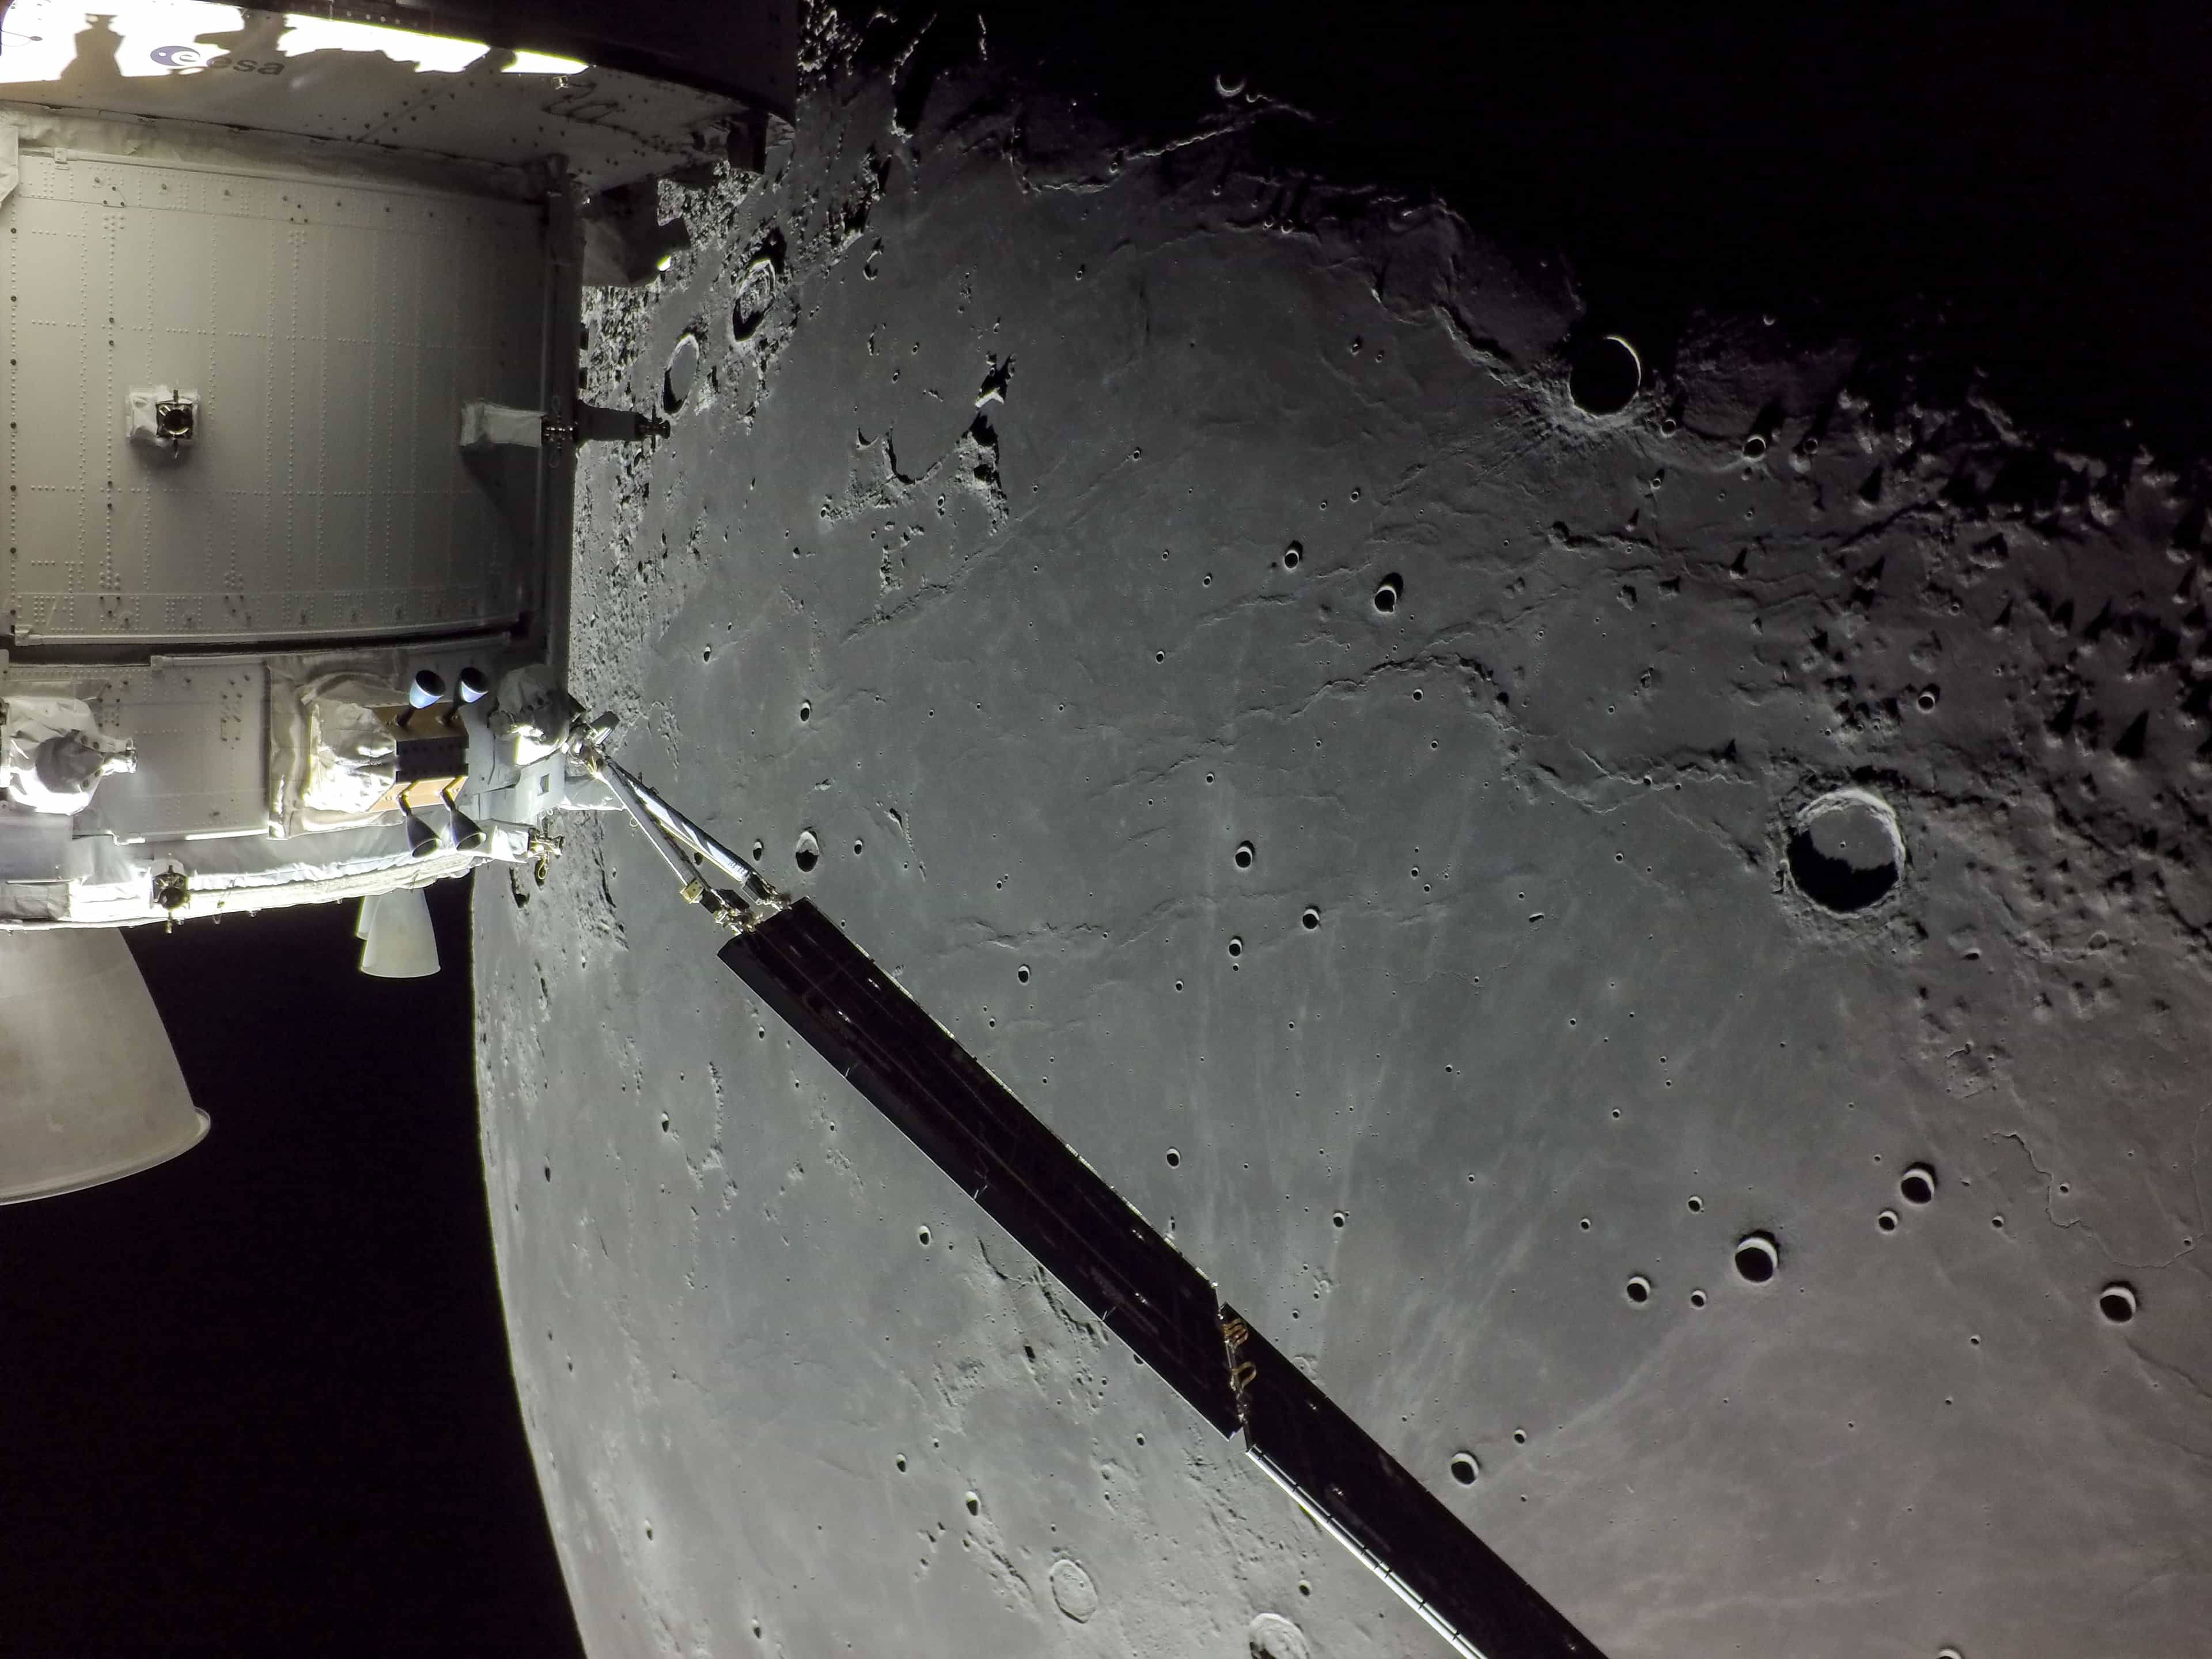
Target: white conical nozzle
x,y
397,942
93,1091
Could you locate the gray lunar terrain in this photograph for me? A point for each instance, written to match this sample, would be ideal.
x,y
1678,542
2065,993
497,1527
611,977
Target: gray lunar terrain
x,y
1662,954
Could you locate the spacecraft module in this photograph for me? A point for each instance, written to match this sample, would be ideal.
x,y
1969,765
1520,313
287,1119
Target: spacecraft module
x,y
292,336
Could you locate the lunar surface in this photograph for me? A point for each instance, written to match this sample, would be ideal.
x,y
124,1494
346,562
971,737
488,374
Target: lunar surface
x,y
1643,913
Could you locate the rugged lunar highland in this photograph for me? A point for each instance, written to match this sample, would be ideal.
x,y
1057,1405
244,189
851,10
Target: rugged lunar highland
x,y
1661,952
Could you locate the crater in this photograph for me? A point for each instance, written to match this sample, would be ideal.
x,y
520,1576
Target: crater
x,y
1917,1185
1464,1468
1271,1636
1758,1258
756,287
1388,591
2118,1303
1605,376
683,372
808,853
1846,853
1073,1591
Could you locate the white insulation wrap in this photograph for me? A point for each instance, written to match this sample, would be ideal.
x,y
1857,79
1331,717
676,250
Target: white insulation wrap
x,y
92,1089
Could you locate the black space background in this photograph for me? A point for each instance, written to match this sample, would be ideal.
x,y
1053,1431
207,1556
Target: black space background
x,y
258,1401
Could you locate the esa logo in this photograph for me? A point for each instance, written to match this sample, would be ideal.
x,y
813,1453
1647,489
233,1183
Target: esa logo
x,y
191,57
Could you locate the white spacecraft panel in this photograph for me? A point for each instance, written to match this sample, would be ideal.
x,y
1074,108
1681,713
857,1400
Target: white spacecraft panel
x,y
201,730
351,82
331,329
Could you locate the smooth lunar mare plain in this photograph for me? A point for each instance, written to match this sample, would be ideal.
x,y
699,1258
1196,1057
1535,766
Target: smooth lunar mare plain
x,y
1662,954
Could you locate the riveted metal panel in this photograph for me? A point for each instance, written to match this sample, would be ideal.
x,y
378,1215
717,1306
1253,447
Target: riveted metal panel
x,y
332,329
201,731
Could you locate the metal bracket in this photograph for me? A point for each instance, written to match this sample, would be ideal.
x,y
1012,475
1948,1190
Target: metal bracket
x,y
689,851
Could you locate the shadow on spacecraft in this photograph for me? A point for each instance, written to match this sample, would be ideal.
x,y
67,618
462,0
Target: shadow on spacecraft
x,y
293,330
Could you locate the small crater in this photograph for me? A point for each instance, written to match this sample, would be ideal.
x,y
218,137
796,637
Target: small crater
x,y
974,1503
1388,591
1464,1468
1637,1289
1022,973
899,1463
1292,555
1929,697
2117,1302
1310,920
1244,855
1697,1299
1696,1204
1846,853
1236,947
808,853
1754,447
921,1235
1174,1158
806,712
1605,376
1917,1185
1758,1258
1886,1221
683,372
1337,1219
1073,1592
